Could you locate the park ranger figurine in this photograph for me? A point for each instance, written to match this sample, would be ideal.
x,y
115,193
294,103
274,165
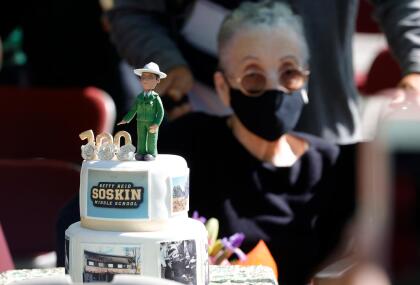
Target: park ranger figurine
x,y
149,110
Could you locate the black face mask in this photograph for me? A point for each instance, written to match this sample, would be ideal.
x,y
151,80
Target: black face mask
x,y
269,115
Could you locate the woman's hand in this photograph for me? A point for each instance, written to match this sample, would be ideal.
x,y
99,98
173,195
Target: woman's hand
x,y
411,82
176,85
408,91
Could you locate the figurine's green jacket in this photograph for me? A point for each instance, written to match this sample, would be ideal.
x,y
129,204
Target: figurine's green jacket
x,y
148,108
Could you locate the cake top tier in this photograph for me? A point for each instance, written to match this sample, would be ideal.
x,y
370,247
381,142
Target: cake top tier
x,y
133,195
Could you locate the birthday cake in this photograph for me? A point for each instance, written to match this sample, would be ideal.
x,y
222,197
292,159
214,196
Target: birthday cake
x,y
134,217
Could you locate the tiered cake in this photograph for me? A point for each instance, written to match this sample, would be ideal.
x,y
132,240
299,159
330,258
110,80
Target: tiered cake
x,y
134,221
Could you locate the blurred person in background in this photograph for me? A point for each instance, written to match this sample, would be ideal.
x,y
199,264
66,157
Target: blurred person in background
x,y
181,37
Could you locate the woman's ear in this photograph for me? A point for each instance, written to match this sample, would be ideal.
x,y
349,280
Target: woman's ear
x,y
222,87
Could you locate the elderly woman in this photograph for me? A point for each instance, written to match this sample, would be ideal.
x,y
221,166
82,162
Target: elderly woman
x,y
250,169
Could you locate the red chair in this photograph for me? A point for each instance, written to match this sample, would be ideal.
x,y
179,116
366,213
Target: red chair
x,y
33,191
6,261
46,122
383,73
365,22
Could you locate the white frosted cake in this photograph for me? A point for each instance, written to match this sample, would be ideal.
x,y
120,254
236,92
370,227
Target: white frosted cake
x,y
134,221
133,195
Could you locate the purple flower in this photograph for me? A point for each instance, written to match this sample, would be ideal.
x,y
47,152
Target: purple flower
x,y
236,239
233,243
197,217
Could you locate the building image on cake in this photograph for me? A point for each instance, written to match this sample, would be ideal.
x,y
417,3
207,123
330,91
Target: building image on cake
x,y
102,267
179,261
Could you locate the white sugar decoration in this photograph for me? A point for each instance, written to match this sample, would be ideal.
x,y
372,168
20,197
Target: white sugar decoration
x,y
106,147
106,151
89,151
127,151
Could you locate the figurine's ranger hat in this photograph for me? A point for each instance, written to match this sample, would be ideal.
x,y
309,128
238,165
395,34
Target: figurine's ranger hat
x,y
151,67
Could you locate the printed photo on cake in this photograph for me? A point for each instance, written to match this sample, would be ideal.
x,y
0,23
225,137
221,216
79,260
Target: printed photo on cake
x,y
66,254
180,194
102,262
118,195
206,266
178,261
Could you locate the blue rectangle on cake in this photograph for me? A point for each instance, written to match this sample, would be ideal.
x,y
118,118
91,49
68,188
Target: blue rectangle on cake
x,y
117,194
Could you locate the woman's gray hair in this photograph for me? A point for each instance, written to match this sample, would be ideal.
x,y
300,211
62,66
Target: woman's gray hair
x,y
265,14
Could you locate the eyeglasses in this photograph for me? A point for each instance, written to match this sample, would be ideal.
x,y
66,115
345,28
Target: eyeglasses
x,y
290,78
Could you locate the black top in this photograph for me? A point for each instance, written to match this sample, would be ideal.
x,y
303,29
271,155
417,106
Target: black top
x,y
298,211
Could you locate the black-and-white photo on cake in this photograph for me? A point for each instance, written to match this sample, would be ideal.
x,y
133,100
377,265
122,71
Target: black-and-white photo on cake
x,y
101,263
206,266
179,261
66,254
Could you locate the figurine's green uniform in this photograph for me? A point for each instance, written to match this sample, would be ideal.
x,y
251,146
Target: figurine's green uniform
x,y
149,110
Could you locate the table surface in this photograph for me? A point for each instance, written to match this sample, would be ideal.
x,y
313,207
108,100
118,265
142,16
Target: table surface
x,y
219,275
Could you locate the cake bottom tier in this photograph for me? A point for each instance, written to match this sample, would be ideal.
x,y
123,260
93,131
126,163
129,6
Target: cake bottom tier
x,y
177,253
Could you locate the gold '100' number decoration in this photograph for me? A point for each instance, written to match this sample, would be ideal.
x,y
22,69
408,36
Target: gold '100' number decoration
x,y
106,147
